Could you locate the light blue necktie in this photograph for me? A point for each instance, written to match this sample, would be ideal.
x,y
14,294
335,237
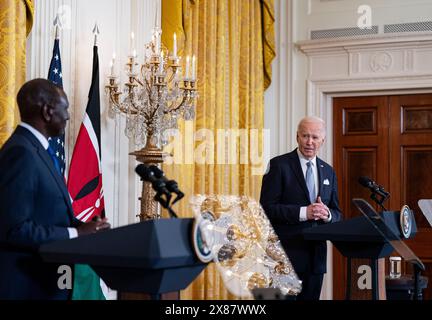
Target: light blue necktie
x,y
310,182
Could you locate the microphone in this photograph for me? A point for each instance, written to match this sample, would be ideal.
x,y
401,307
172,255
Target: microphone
x,y
170,184
147,174
373,186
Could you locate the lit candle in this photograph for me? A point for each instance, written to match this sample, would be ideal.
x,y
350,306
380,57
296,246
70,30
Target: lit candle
x,y
187,67
158,44
112,68
161,64
132,43
113,63
175,46
156,15
193,68
134,53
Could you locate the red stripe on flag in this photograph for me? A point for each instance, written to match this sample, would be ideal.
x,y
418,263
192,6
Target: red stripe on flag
x,y
85,178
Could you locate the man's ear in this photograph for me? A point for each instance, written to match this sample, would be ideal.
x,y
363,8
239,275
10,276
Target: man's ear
x,y
46,112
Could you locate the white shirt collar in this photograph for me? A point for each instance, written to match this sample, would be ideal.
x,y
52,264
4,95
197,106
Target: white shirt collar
x,y
41,138
303,160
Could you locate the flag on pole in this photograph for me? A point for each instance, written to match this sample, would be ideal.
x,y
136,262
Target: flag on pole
x,y
85,172
55,75
85,184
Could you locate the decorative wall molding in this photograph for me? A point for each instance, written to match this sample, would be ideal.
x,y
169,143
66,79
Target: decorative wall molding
x,y
278,97
388,56
413,40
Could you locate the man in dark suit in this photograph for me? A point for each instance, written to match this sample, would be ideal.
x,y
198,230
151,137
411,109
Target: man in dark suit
x,y
299,192
35,206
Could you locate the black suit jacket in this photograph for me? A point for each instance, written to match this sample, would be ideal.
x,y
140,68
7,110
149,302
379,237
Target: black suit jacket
x,y
283,192
35,208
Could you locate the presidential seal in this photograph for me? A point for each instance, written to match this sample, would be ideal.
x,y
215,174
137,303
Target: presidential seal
x,y
405,220
202,236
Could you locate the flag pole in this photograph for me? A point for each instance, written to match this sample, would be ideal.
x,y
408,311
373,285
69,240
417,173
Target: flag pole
x,y
57,25
96,33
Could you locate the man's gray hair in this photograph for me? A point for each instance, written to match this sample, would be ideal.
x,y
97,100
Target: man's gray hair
x,y
313,119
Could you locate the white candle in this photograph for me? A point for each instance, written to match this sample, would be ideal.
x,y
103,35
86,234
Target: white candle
x,y
193,76
112,68
132,43
175,46
156,15
112,63
161,64
187,67
158,44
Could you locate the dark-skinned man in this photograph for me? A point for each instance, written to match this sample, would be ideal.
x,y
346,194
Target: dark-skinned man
x,y
35,206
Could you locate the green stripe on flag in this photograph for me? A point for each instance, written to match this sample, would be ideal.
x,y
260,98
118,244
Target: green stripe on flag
x,y
86,284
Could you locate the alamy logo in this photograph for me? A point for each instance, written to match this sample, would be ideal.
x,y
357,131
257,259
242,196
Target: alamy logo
x,y
65,279
231,146
364,282
365,20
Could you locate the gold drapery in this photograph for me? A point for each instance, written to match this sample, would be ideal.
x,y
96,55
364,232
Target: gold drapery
x,y
269,46
16,19
228,40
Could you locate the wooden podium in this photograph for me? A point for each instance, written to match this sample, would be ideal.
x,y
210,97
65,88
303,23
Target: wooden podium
x,y
367,238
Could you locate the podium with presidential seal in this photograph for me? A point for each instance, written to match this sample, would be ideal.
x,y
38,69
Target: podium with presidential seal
x,y
371,236
151,257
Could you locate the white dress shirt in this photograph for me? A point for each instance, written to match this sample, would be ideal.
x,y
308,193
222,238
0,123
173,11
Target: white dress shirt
x,y
73,232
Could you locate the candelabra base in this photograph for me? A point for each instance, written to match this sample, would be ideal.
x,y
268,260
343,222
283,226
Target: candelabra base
x,y
149,155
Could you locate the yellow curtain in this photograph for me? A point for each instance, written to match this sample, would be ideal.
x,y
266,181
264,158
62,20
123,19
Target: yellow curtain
x,y
269,46
233,41
16,19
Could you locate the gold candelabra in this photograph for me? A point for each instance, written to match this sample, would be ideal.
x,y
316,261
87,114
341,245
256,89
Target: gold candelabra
x,y
155,96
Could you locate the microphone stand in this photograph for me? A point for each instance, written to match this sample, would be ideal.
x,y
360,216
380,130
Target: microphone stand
x,y
379,201
418,295
165,204
172,213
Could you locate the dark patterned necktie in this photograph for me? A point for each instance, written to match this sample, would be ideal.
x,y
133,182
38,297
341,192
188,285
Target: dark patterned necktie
x,y
54,159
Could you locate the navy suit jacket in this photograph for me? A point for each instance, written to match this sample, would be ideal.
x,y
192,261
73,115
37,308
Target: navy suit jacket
x,y
35,208
283,192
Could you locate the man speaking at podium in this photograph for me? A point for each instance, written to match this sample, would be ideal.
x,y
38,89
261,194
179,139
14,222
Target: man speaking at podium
x,y
35,205
298,192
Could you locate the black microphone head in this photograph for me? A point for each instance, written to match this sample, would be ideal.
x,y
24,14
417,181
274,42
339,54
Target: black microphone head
x,y
365,182
141,169
144,172
156,171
